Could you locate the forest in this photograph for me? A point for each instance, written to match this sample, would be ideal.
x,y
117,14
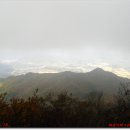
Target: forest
x,y
64,110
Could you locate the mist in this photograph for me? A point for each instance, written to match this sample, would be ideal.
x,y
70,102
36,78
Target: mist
x,y
65,35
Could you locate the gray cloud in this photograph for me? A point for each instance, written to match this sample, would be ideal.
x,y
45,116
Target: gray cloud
x,y
76,31
65,24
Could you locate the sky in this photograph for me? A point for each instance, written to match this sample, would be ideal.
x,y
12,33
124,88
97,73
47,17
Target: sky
x,y
64,35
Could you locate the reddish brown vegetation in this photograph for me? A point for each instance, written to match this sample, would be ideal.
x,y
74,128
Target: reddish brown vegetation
x,y
65,111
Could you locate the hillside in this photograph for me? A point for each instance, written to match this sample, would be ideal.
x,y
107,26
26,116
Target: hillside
x,y
79,84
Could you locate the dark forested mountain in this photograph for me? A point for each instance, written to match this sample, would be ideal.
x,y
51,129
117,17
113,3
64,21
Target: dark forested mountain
x,y
79,84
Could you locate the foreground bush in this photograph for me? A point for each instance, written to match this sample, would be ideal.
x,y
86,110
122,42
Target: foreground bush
x,y
63,110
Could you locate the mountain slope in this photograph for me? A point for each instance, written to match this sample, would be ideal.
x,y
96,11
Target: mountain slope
x,y
79,84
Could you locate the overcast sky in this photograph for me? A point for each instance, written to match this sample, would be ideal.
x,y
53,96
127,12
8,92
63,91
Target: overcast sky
x,y
62,33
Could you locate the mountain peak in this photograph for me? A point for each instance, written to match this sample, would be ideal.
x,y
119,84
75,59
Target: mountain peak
x,y
98,70
101,72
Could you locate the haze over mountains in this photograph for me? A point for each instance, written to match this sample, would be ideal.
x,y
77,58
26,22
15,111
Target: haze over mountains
x,y
59,35
79,84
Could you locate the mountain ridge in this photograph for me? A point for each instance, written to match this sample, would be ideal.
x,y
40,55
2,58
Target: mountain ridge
x,y
64,72
79,84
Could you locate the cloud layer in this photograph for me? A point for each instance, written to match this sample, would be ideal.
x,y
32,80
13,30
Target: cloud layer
x,y
5,70
64,35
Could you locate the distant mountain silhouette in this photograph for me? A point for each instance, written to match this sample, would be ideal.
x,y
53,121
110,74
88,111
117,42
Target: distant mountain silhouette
x,y
79,84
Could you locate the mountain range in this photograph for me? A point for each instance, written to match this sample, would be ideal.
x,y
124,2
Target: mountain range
x,y
79,84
